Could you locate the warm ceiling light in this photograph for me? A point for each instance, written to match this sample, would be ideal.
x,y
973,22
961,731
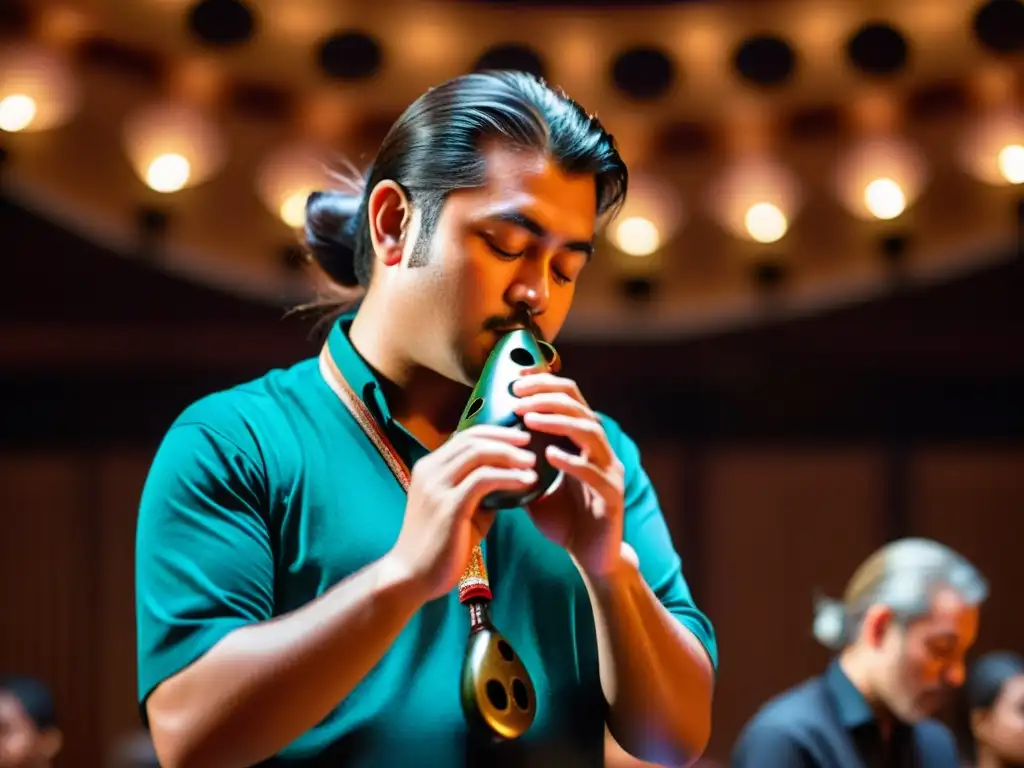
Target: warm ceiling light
x,y
637,236
37,91
172,146
650,216
17,112
168,173
765,223
1011,163
993,150
880,178
756,199
885,199
289,175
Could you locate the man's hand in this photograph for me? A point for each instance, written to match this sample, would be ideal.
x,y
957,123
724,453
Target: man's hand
x,y
443,519
585,514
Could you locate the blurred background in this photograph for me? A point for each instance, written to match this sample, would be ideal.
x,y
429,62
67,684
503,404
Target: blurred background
x,y
810,315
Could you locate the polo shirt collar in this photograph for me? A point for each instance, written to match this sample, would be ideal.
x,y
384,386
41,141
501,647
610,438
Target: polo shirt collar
x,y
851,706
357,372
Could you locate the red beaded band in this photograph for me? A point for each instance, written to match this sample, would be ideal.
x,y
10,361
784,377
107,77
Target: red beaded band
x,y
474,584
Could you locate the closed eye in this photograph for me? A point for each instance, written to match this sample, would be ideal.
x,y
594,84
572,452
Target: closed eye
x,y
504,254
560,277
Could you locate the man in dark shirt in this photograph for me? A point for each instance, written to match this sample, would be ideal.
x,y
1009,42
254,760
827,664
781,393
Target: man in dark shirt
x,y
909,615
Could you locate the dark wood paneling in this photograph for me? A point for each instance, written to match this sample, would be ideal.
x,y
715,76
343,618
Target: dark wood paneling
x,y
780,523
972,498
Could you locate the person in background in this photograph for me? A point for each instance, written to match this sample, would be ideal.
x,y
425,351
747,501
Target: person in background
x,y
908,617
133,750
994,697
29,737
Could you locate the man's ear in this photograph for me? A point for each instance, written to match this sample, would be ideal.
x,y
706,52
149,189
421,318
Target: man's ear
x,y
51,741
877,622
390,213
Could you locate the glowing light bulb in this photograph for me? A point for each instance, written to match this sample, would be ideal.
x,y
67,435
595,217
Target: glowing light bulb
x,y
168,173
637,236
884,198
765,222
1011,163
293,209
17,112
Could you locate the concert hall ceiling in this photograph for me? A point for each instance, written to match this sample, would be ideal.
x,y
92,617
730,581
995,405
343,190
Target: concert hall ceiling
x,y
786,155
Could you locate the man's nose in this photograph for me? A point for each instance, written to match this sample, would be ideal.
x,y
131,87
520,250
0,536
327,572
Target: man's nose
x,y
531,289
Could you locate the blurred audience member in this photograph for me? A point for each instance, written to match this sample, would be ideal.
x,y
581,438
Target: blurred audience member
x,y
908,617
995,707
134,751
29,737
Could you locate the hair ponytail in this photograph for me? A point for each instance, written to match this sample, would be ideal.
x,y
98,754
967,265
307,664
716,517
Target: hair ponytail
x,y
829,622
331,234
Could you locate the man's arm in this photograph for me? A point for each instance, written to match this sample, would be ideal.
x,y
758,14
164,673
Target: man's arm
x,y
222,681
656,675
767,745
264,685
657,651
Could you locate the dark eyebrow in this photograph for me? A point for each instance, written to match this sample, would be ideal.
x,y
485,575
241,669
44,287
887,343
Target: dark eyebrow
x,y
537,230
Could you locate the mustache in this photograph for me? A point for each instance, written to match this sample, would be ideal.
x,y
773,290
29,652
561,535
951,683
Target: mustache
x,y
513,323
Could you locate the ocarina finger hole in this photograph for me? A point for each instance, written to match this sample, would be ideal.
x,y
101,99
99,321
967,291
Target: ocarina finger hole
x,y
522,357
506,651
519,694
474,407
497,695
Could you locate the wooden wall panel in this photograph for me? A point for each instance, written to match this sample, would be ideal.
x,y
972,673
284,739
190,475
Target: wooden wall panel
x,y
766,524
972,498
48,595
121,475
779,522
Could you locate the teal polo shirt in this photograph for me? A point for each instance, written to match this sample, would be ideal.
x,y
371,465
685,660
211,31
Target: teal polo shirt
x,y
263,496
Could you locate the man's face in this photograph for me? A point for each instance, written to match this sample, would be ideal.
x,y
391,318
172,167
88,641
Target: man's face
x,y
22,745
920,664
521,240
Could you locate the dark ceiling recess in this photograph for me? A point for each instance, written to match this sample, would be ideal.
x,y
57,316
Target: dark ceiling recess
x,y
878,49
638,288
350,55
768,273
684,139
765,60
643,73
999,25
293,257
585,3
221,22
514,56
103,54
894,247
14,16
820,122
935,101
261,101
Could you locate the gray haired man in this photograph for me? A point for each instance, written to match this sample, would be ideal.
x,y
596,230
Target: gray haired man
x,y
901,632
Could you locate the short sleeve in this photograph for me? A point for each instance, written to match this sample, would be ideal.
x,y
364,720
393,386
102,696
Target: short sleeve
x,y
768,745
646,532
204,563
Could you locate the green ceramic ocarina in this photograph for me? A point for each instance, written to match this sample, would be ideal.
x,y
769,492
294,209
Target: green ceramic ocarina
x,y
516,354
497,694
